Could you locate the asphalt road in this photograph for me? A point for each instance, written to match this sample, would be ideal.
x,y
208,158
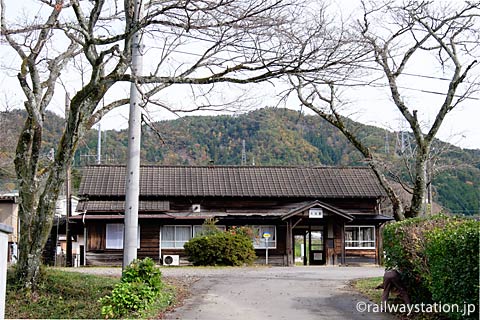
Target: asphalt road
x,y
299,293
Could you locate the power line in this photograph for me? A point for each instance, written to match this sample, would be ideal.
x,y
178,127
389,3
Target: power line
x,y
359,82
273,52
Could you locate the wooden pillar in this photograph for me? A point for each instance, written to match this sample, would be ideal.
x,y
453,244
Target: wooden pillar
x,y
289,240
377,244
342,234
305,258
85,243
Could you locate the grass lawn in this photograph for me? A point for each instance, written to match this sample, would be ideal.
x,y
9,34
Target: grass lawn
x,y
64,295
367,287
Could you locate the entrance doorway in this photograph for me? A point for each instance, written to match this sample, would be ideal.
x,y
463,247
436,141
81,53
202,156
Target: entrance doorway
x,y
310,246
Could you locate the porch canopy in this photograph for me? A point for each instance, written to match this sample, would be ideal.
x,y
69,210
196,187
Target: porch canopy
x,y
304,208
317,213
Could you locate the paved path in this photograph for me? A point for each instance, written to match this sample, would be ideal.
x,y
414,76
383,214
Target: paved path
x,y
298,293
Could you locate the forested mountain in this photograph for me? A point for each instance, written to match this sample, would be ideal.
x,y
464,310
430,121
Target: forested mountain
x,y
272,137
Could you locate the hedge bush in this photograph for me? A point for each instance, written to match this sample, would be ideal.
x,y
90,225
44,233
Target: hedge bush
x,y
437,257
141,284
453,259
404,246
220,248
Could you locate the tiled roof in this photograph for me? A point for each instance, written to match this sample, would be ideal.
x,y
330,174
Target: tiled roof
x,y
8,198
119,205
235,181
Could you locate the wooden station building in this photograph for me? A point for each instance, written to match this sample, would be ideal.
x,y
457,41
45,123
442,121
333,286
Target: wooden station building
x,y
334,211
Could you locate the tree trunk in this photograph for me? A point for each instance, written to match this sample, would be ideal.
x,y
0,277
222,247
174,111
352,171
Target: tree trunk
x,y
39,191
337,121
397,207
418,207
26,161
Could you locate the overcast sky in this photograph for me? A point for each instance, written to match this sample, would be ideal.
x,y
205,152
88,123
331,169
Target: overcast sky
x,y
368,105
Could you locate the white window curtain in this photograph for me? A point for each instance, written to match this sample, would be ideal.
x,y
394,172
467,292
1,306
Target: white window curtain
x,y
114,236
197,231
168,237
175,236
182,235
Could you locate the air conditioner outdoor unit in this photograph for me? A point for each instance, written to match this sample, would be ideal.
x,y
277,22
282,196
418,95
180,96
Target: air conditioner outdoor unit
x,y
171,260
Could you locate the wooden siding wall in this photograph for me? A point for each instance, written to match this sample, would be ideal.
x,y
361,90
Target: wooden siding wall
x,y
97,254
150,229
96,235
222,204
361,253
149,241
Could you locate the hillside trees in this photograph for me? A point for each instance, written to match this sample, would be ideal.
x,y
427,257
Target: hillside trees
x,y
397,36
87,47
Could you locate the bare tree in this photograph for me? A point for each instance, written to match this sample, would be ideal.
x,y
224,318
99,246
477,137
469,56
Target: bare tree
x,y
192,43
396,34
449,36
323,103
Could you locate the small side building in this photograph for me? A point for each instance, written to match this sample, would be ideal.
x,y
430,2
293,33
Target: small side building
x,y
333,211
9,217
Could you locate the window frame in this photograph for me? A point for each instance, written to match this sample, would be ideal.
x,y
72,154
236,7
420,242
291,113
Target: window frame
x,y
122,232
197,226
374,240
175,233
262,241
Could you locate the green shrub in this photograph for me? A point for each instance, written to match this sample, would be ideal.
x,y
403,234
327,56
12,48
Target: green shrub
x,y
127,297
140,286
209,227
438,258
144,271
453,259
404,246
220,248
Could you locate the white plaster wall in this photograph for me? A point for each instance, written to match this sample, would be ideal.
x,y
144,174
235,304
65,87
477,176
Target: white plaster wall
x,y
4,231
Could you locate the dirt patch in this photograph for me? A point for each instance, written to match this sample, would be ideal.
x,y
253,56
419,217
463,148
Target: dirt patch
x,y
182,287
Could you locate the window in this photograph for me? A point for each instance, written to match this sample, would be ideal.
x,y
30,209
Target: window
x,y
197,230
174,237
258,239
114,236
360,237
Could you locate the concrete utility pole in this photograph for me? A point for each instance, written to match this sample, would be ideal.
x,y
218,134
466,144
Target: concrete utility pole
x,y
68,198
99,145
134,138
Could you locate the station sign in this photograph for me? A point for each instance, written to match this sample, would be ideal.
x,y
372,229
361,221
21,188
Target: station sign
x,y
315,213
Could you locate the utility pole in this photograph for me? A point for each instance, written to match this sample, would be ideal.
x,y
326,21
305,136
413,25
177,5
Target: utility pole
x,y
99,145
134,137
68,197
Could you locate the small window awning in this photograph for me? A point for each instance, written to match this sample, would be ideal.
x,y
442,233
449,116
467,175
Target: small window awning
x,y
318,204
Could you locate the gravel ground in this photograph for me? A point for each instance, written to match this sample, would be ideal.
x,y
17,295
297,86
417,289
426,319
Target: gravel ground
x,y
264,292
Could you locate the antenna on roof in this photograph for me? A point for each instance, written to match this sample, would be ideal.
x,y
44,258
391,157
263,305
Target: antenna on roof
x,y
244,154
